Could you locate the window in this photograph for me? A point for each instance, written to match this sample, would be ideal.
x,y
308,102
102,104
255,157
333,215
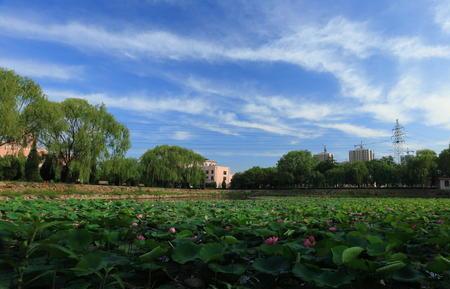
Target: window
x,y
212,178
212,172
447,183
206,171
224,172
224,178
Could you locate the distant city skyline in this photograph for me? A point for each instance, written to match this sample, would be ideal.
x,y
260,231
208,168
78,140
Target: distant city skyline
x,y
244,82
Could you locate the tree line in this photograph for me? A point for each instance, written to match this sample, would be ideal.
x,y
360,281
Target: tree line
x,y
298,169
83,143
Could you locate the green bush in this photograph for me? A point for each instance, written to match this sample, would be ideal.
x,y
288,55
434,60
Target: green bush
x,y
11,168
32,165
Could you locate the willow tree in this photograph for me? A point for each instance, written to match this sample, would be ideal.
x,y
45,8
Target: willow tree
x,y
119,171
80,134
23,108
171,166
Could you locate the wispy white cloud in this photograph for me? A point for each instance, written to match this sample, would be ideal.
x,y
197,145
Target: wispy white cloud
x,y
269,154
337,46
270,125
139,103
414,99
38,69
442,14
126,43
312,46
182,135
276,128
219,128
355,130
293,109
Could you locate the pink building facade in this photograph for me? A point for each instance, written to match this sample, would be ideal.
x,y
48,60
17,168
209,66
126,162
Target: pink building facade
x,y
217,174
15,149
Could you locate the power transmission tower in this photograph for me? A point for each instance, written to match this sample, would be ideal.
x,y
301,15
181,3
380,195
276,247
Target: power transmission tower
x,y
398,140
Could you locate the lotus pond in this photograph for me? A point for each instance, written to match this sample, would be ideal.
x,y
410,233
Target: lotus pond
x,y
271,243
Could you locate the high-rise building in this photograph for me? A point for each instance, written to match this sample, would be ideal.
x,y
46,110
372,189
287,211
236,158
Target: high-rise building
x,y
324,156
360,154
217,174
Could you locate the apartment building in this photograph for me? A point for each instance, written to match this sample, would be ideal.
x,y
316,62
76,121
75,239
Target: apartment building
x,y
361,154
217,174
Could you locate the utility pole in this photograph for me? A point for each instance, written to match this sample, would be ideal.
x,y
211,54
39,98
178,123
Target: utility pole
x,y
398,140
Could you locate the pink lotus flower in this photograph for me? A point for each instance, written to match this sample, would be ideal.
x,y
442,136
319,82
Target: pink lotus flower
x,y
227,228
134,224
440,222
271,241
280,221
140,237
172,230
139,216
413,226
332,229
309,242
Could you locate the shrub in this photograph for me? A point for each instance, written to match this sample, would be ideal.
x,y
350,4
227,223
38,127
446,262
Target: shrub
x,y
32,165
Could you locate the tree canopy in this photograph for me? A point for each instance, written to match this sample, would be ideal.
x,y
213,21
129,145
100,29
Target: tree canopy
x,y
297,166
171,166
119,171
444,162
79,134
23,107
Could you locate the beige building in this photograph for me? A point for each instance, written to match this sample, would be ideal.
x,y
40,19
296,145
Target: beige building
x,y
324,156
361,154
217,174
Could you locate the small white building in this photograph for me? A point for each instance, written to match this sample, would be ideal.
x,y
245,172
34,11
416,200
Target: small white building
x,y
217,174
444,183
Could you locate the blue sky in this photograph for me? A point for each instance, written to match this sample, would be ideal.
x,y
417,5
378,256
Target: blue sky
x,y
244,82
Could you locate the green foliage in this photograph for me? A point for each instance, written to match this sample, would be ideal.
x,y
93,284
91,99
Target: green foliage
x,y
49,168
79,134
32,165
356,173
384,172
299,169
298,165
421,170
255,178
444,162
119,171
127,244
172,166
12,167
22,108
